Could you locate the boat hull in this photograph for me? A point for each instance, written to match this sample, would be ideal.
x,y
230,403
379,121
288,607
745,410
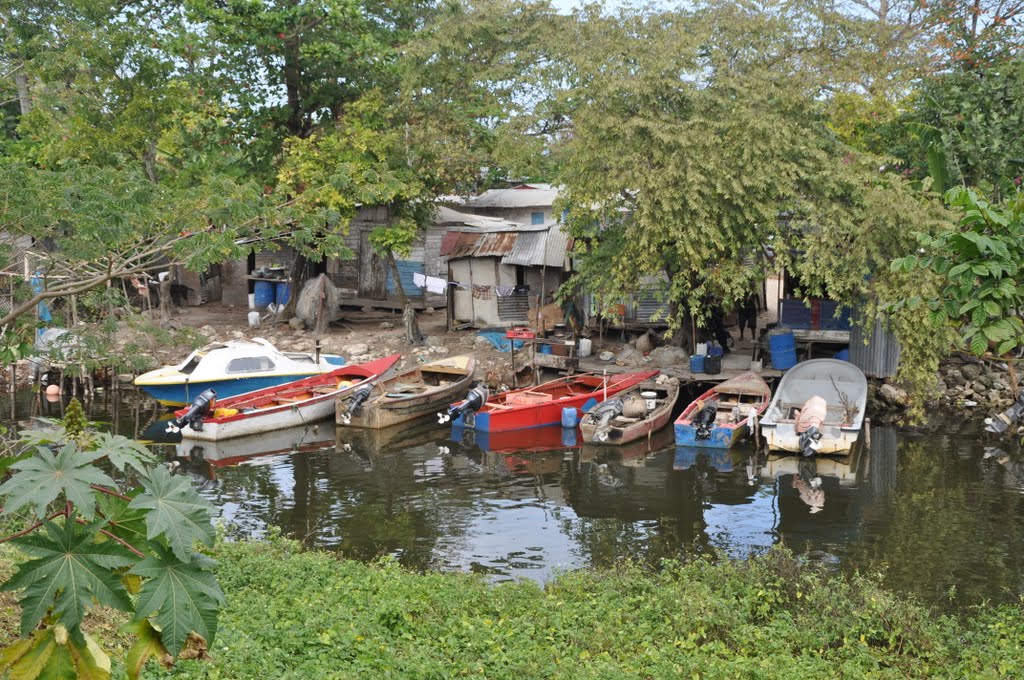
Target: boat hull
x,y
502,413
181,394
653,422
722,436
783,437
746,391
302,402
384,411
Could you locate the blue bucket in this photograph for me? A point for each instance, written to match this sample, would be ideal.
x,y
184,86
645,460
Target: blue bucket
x,y
263,293
569,416
782,345
282,293
697,363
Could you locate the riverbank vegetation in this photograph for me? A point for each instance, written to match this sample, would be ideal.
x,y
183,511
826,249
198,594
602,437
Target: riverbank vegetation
x,y
293,613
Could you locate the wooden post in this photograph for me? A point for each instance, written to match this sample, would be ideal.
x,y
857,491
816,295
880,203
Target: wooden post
x,y
867,432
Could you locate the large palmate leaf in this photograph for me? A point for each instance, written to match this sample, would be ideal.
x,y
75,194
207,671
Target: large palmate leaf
x,y
123,452
70,571
127,523
184,595
45,476
176,511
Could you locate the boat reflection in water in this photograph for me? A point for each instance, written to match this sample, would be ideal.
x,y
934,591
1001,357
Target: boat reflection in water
x,y
251,448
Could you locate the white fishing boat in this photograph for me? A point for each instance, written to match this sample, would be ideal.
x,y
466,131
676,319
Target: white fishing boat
x,y
301,402
818,408
231,368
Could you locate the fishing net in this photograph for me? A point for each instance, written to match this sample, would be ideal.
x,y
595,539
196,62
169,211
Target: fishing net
x,y
317,305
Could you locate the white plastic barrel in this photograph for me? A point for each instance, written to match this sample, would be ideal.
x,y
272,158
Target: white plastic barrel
x,y
254,319
585,346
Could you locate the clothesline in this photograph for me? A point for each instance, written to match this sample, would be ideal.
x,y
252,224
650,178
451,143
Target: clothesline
x,y
439,286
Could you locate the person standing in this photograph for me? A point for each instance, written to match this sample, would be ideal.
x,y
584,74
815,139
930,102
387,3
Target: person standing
x,y
748,315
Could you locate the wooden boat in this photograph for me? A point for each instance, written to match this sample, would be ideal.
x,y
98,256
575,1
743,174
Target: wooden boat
x,y
841,390
722,415
297,403
411,394
543,404
232,368
631,415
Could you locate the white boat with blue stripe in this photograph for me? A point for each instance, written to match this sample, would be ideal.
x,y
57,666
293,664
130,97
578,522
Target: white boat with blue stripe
x,y
232,367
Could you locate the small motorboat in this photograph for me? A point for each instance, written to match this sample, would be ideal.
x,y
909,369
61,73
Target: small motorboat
x,y
630,415
818,408
540,405
721,416
301,402
409,395
231,368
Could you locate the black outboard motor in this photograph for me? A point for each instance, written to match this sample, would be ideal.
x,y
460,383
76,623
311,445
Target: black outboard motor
x,y
603,414
201,407
473,402
361,394
705,420
809,441
1002,422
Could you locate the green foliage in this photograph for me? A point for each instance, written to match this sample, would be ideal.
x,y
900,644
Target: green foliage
x,y
767,617
979,263
176,511
96,540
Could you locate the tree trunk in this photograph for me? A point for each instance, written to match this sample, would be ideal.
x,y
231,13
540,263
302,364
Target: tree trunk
x,y
21,82
413,335
165,299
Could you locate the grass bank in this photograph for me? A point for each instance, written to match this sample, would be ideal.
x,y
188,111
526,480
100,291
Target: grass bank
x,y
295,614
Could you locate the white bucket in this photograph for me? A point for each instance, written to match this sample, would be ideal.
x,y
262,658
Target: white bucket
x,y
702,348
254,319
252,300
585,346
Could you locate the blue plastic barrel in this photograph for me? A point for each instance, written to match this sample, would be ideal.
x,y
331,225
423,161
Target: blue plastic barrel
x,y
697,363
282,293
569,416
843,354
782,345
264,294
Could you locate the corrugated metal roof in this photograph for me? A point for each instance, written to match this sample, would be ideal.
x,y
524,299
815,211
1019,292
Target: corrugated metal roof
x,y
496,244
539,248
463,245
524,197
446,215
879,357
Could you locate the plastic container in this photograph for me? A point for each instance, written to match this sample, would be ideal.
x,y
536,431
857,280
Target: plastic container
x,y
252,301
702,348
569,416
263,294
713,364
254,319
697,363
843,354
282,291
782,346
715,351
585,346
545,349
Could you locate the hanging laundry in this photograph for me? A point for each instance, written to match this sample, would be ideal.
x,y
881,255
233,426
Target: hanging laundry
x,y
436,285
504,291
419,279
482,292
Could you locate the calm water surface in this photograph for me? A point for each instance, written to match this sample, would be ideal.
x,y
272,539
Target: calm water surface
x,y
940,514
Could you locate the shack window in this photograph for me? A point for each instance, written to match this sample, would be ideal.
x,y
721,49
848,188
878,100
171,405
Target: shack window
x,y
250,365
537,218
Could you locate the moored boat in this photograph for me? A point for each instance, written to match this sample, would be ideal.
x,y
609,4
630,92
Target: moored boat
x,y
543,404
231,368
408,395
632,414
818,408
721,416
297,403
